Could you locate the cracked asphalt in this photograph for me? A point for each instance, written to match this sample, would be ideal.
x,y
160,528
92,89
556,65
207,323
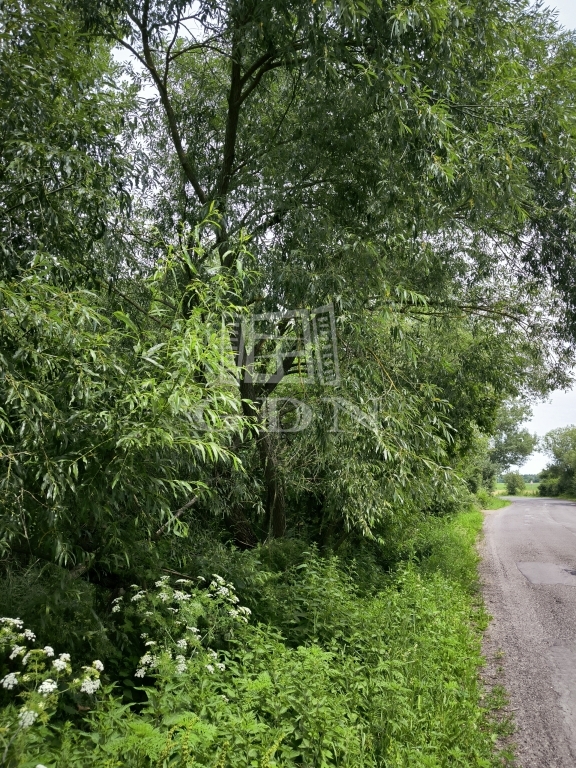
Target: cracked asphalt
x,y
529,583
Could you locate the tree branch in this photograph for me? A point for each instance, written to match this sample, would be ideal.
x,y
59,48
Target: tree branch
x,y
175,516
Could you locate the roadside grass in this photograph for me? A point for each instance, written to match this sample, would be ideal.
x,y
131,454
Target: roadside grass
x,y
495,503
324,674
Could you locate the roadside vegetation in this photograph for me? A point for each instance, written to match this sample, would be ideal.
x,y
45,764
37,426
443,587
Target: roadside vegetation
x,y
279,282
338,661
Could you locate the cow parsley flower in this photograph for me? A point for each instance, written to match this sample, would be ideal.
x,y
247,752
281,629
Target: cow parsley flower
x,y
18,623
98,665
48,650
138,596
181,664
47,687
210,668
16,651
182,643
164,596
27,717
181,596
221,666
89,686
10,680
29,635
140,672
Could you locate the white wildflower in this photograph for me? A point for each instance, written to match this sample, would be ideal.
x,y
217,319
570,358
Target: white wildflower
x,y
48,650
224,591
173,610
244,609
29,635
144,635
210,668
218,579
224,698
64,657
115,608
140,672
10,680
183,581
48,687
181,596
150,642
181,643
200,578
212,653
181,664
59,664
17,650
195,630
138,596
98,665
40,765
118,599
25,658
234,613
221,666
18,623
89,686
27,717
147,659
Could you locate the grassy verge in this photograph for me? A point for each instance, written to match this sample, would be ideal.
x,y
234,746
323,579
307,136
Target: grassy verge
x,y
495,503
324,673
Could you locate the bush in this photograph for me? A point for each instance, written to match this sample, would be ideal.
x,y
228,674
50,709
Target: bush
x,y
549,487
514,483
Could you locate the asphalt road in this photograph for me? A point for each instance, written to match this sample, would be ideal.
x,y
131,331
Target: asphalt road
x,y
529,581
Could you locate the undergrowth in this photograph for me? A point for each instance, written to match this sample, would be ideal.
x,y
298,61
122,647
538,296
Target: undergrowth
x,y
328,663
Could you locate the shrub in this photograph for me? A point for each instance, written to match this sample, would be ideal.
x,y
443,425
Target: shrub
x,y
514,483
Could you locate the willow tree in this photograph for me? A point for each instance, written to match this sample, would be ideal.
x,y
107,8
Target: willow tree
x,y
368,148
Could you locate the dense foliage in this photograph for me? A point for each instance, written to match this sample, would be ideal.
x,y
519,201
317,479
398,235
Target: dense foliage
x,y
278,282
559,476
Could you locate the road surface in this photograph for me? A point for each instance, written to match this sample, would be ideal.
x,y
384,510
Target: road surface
x,y
529,583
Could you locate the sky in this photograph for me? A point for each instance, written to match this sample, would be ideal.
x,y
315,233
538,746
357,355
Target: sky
x,y
566,12
560,409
